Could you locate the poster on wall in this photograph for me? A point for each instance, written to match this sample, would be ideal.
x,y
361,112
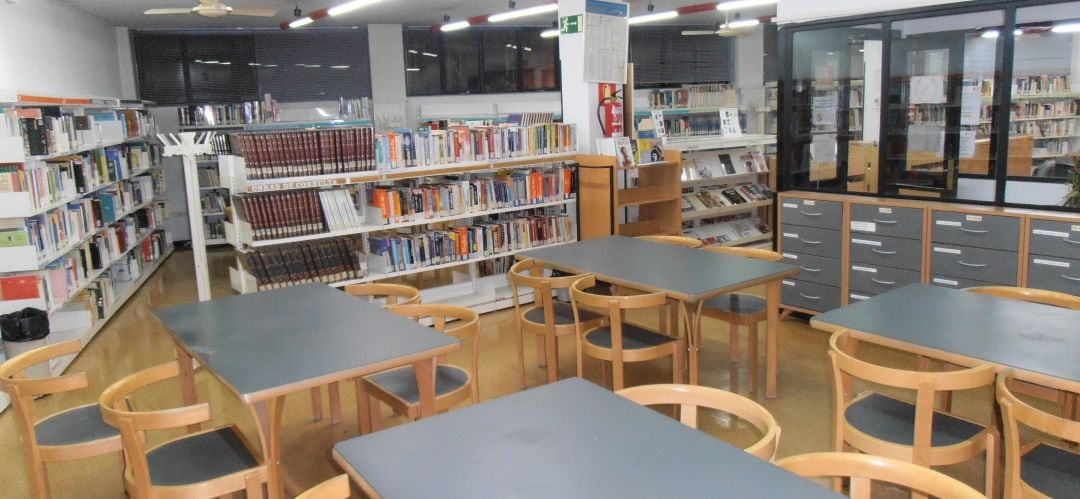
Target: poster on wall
x,y
824,110
971,102
607,34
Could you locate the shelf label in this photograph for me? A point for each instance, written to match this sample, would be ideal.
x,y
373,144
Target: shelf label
x,y
885,210
791,256
788,283
948,223
1040,261
1055,233
864,226
973,218
791,235
791,205
864,269
809,202
865,242
858,297
950,251
947,282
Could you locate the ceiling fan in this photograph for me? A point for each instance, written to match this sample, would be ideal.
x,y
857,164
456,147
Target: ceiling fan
x,y
727,29
214,8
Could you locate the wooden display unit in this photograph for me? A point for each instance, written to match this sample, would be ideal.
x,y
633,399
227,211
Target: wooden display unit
x,y
603,203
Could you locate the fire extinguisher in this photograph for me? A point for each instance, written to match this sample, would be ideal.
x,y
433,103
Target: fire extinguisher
x,y
610,112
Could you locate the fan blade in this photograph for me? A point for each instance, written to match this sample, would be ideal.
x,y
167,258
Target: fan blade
x,y
158,12
698,33
255,10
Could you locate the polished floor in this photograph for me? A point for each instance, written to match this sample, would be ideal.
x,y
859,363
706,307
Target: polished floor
x,y
135,340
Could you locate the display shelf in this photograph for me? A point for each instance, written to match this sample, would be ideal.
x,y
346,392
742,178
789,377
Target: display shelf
x,y
217,242
655,198
705,144
747,240
725,210
203,128
725,179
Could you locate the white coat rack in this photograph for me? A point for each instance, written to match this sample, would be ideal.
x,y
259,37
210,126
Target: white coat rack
x,y
189,145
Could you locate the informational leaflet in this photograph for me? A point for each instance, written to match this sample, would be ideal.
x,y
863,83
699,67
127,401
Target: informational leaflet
x,y
971,102
729,122
607,36
967,143
927,89
824,110
823,148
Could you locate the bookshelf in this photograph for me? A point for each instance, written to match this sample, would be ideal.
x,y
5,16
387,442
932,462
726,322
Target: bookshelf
x,y
214,198
631,201
367,217
79,210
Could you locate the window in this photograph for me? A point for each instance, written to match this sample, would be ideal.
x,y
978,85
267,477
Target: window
x,y
181,68
479,60
663,56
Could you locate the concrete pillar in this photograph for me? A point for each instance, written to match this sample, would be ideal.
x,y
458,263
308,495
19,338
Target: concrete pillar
x,y
387,55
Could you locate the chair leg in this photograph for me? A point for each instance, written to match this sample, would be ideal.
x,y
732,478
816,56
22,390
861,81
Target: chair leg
x,y
605,374
551,345
373,413
521,353
990,487
363,416
733,342
679,375
316,404
541,352
617,382
752,353
39,477
253,487
335,403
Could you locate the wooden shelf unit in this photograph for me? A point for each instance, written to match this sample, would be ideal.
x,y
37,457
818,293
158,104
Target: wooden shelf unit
x,y
603,204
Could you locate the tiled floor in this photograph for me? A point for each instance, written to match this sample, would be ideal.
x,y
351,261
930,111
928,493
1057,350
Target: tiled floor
x,y
134,340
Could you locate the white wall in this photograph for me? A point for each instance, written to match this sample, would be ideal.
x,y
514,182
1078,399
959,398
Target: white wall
x,y
481,105
47,47
788,11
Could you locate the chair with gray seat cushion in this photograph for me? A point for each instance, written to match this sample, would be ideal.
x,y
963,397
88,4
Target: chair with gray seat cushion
x,y
1040,468
546,318
453,384
894,428
71,434
208,463
617,341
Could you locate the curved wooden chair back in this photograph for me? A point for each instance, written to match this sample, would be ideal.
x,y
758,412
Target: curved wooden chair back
x,y
133,425
614,305
334,488
23,390
862,469
690,397
530,274
756,253
1016,412
395,294
459,322
1043,296
686,242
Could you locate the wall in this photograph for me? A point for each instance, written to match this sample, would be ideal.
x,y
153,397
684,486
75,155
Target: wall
x,y
48,47
481,105
788,11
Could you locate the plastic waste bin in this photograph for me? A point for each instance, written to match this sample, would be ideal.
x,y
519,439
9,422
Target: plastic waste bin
x,y
24,331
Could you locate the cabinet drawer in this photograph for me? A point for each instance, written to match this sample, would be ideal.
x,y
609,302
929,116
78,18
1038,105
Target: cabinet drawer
x,y
819,269
888,251
810,240
1052,238
1055,274
957,282
812,213
809,295
979,264
873,279
980,231
887,221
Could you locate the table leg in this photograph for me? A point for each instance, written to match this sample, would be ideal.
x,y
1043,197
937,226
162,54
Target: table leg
x,y
187,382
772,337
268,421
425,384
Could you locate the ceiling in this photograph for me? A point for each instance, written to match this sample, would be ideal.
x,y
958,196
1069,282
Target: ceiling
x,y
128,13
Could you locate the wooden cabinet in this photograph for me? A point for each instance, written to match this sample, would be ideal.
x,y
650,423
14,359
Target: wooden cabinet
x,y
628,201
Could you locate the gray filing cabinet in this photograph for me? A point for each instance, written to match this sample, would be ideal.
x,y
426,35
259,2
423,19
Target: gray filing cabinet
x,y
811,237
885,249
968,249
1054,255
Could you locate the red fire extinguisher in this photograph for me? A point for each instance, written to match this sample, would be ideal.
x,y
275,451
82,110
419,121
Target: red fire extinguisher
x,y
611,110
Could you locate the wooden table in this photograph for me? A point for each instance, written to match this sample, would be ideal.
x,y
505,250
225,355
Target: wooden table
x,y
688,276
1040,343
266,345
565,439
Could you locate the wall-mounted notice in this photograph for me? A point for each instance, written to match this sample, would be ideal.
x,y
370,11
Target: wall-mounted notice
x,y
970,102
824,110
729,122
606,39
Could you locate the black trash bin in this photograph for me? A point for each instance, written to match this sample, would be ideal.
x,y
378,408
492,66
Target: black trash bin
x,y
23,331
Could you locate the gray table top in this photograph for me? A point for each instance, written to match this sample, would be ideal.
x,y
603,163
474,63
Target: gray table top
x,y
1027,336
566,439
281,341
684,273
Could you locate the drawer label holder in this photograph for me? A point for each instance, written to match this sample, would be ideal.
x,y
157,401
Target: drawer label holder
x,y
950,251
864,226
1053,263
948,223
865,242
864,269
1054,233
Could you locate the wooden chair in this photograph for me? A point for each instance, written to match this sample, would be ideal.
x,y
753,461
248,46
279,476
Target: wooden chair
x,y
207,463
738,309
397,387
863,468
392,295
686,242
618,341
71,434
885,426
1038,469
546,318
334,488
690,397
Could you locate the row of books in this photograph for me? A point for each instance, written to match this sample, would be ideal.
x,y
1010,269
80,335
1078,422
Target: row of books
x,y
926,114
499,234
101,296
691,96
693,125
214,229
1041,84
316,261
51,130
225,114
1066,108
702,165
728,230
219,145
51,181
283,214
1048,128
295,153
706,199
423,146
479,192
213,201
209,177
1053,148
495,266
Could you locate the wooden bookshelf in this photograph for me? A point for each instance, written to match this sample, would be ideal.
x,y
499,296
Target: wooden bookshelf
x,y
656,197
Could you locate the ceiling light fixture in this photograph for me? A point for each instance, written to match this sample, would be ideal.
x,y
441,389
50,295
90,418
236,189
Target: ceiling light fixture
x,y
455,26
551,33
411,51
742,4
412,69
349,7
269,65
745,23
429,54
657,16
1066,28
303,21
339,67
991,34
518,13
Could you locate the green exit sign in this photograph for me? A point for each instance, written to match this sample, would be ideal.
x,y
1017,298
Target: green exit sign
x,y
570,24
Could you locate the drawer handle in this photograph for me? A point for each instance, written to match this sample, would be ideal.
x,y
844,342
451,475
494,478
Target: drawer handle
x,y
886,222
1071,278
1070,241
811,213
809,297
973,265
883,283
975,231
807,241
811,270
882,252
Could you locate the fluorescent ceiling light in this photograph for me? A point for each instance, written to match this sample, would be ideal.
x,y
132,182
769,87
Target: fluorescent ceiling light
x,y
412,69
1018,32
303,21
349,6
269,65
1066,28
225,63
339,67
455,26
211,62
551,33
745,23
991,34
411,51
742,4
656,16
313,66
527,49
429,54
254,64
516,13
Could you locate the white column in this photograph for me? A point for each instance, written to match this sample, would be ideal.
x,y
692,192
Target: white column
x,y
749,75
579,98
387,55
126,60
